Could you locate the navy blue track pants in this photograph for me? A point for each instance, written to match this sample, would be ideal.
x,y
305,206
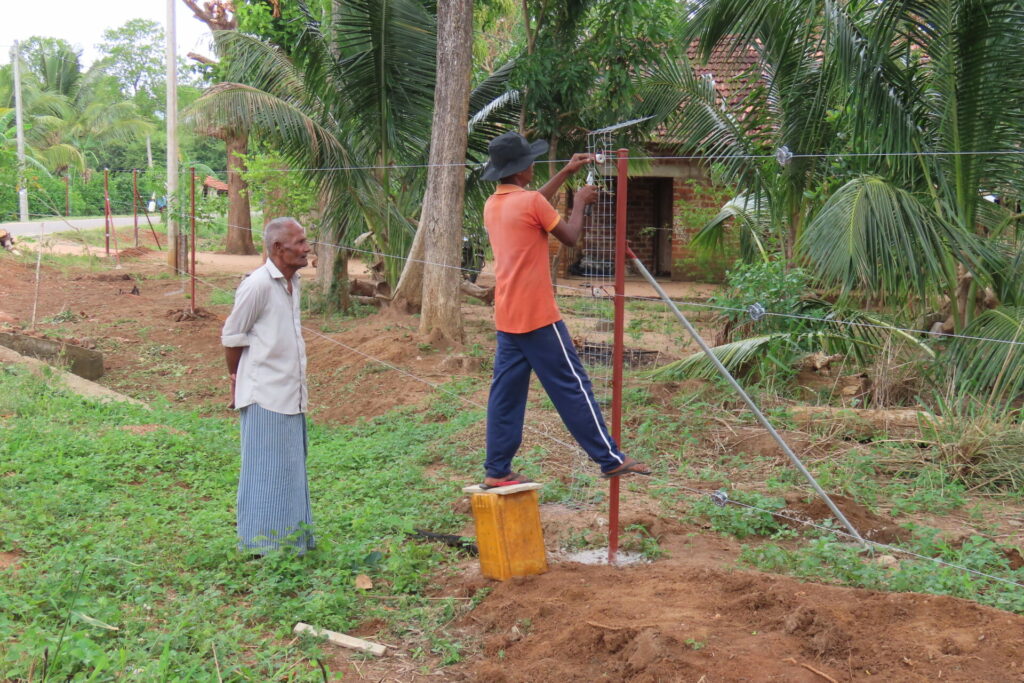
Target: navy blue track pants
x,y
549,352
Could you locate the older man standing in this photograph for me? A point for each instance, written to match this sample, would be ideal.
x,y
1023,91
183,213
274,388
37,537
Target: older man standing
x,y
266,359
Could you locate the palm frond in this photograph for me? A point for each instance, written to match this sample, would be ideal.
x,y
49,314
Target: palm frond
x,y
748,215
734,356
387,67
991,365
878,238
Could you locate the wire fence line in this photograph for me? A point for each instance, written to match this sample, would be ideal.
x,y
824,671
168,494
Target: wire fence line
x,y
586,291
666,157
718,497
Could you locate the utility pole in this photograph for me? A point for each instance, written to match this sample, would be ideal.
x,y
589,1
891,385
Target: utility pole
x,y
174,259
20,125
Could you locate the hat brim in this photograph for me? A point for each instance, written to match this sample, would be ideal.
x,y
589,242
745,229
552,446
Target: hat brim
x,y
492,172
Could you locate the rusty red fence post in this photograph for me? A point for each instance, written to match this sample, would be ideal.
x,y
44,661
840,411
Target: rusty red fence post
x,y
192,299
106,212
622,158
135,203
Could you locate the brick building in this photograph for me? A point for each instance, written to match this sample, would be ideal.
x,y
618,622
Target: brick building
x,y
671,199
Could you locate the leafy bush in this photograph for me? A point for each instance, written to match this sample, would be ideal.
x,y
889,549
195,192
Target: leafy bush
x,y
772,285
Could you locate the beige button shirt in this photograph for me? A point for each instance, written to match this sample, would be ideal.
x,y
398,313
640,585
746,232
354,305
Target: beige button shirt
x,y
265,320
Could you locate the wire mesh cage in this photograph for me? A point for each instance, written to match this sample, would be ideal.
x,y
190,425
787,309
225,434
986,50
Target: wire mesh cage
x,y
594,303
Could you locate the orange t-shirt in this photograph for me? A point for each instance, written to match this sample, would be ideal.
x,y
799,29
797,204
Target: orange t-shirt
x,y
518,222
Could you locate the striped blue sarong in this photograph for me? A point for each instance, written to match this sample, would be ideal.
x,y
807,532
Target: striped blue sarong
x,y
273,491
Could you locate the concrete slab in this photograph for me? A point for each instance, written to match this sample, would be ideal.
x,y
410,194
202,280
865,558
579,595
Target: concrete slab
x,y
75,383
86,363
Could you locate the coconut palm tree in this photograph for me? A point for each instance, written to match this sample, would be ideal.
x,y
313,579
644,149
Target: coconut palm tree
x,y
351,103
70,115
936,108
766,137
920,105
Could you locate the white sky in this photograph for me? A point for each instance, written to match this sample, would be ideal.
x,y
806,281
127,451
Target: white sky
x,y
82,23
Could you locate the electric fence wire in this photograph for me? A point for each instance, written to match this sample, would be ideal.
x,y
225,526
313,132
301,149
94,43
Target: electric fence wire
x,y
718,497
588,291
677,157
755,311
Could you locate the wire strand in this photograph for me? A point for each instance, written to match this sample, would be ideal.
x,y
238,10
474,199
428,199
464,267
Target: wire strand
x,y
585,290
183,172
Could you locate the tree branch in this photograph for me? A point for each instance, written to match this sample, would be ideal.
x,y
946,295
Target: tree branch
x,y
218,14
202,59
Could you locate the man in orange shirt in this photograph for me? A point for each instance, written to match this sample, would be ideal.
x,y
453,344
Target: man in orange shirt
x,y
531,334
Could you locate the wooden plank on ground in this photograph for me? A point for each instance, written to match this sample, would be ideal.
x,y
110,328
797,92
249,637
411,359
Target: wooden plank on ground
x,y
341,640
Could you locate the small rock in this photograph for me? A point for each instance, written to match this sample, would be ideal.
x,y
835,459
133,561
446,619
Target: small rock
x,y
887,561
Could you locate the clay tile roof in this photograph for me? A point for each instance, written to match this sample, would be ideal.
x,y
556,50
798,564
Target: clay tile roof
x,y
215,184
733,70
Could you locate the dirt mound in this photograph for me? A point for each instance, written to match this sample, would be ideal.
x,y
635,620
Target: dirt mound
x,y
758,442
134,252
380,364
867,523
667,623
107,277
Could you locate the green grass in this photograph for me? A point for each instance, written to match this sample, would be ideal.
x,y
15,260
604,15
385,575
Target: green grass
x,y
127,560
828,560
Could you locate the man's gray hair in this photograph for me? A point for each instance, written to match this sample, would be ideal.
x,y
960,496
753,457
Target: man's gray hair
x,y
275,229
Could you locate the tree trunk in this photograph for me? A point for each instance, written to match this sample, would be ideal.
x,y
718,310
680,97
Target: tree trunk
x,y
332,276
239,239
441,221
409,290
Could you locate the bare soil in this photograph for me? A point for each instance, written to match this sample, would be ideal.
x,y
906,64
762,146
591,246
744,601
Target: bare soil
x,y
685,621
690,616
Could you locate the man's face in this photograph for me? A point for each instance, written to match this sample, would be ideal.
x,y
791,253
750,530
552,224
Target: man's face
x,y
293,248
528,175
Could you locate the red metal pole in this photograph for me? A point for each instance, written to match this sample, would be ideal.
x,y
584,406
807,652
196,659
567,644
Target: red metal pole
x,y
106,212
618,340
135,203
192,300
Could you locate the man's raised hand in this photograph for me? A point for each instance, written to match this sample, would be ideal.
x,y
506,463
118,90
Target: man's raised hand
x,y
578,161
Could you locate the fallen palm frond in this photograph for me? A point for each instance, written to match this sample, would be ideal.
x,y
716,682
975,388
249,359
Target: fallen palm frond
x,y
850,333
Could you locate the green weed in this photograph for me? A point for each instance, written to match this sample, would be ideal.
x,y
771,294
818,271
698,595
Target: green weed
x,y
637,539
752,517
127,561
827,559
